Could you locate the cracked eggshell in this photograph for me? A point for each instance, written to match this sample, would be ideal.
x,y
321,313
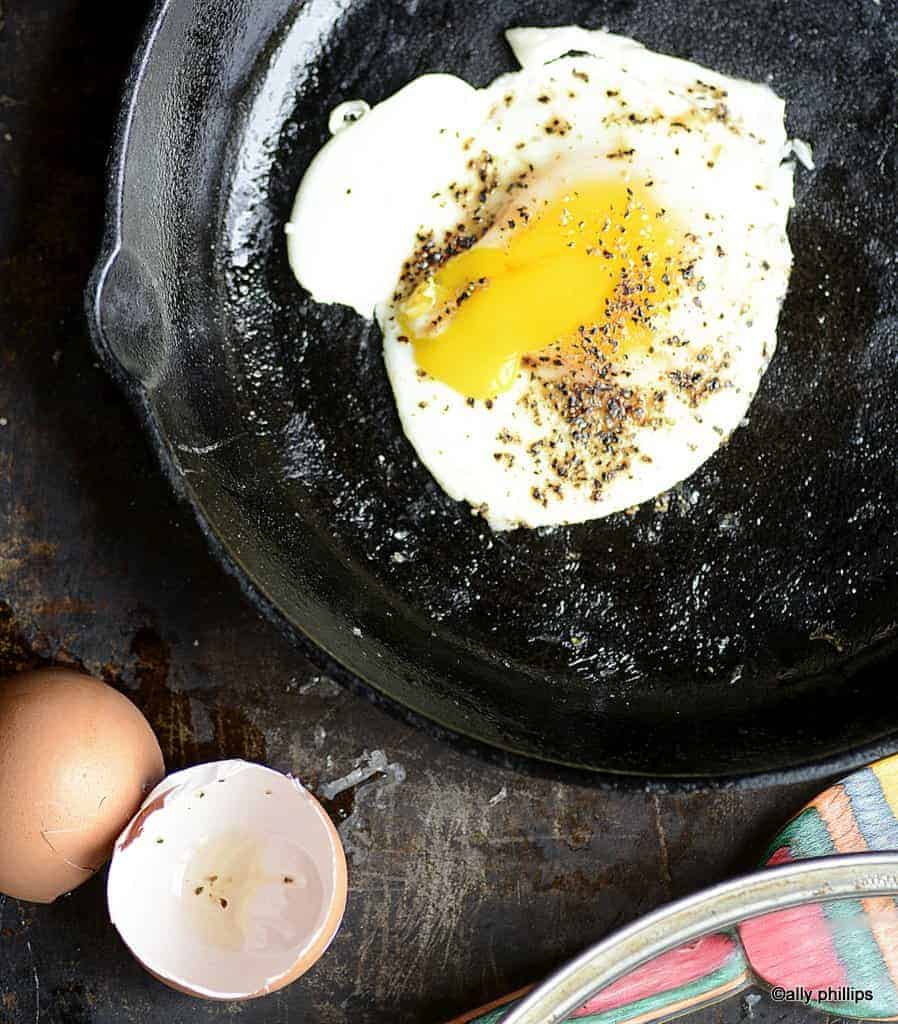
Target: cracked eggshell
x,y
230,882
76,760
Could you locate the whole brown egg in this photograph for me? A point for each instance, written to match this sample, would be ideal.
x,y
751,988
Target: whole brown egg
x,y
76,760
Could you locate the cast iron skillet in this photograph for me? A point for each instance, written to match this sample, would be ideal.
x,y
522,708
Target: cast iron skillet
x,y
749,628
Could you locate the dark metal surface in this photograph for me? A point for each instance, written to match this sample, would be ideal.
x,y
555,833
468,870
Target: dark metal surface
x,y
724,636
454,900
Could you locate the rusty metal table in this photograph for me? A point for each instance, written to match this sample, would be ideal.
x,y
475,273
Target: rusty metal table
x,y
468,878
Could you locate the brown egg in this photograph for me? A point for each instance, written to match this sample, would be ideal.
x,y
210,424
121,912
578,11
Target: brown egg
x,y
76,760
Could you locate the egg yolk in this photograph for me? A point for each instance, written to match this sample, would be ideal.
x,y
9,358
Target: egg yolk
x,y
597,260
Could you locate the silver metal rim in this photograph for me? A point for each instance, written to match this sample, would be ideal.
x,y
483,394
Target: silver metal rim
x,y
717,908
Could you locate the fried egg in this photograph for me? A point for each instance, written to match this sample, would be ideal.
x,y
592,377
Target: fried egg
x,y
577,271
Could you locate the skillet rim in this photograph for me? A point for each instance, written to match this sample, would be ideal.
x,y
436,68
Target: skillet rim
x,y
528,763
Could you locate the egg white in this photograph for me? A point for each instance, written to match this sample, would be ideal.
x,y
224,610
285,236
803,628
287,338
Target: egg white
x,y
712,147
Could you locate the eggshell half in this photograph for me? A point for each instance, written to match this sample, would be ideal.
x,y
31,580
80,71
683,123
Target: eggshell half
x,y
76,760
230,882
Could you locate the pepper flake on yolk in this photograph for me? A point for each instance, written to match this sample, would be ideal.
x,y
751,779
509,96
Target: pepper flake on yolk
x,y
598,255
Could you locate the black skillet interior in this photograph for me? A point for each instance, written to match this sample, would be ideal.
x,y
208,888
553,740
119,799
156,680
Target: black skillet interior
x,y
748,628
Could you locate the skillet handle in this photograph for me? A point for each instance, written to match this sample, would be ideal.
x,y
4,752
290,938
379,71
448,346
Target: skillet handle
x,y
126,317
693,976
